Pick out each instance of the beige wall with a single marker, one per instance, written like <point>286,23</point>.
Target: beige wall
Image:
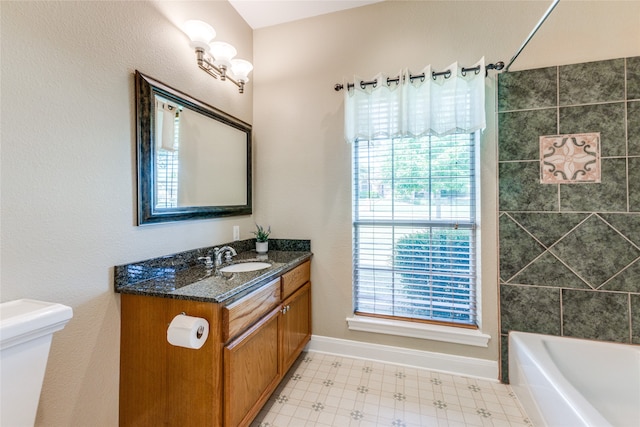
<point>68,162</point>
<point>68,171</point>
<point>303,168</point>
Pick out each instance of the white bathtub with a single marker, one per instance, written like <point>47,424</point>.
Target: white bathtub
<point>573,382</point>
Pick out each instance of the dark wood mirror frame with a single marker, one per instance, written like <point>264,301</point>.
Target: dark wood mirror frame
<point>148,213</point>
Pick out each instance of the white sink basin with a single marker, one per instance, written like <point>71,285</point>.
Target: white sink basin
<point>245,266</point>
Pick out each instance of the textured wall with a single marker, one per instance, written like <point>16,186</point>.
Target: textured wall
<point>299,118</point>
<point>570,253</point>
<point>68,171</point>
<point>68,157</point>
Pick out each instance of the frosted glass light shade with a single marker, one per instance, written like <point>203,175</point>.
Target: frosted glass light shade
<point>199,32</point>
<point>222,53</point>
<point>240,69</point>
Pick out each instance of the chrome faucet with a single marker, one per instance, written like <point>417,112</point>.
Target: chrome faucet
<point>228,253</point>
<point>208,262</point>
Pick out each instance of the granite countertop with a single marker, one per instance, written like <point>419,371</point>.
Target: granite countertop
<point>183,276</point>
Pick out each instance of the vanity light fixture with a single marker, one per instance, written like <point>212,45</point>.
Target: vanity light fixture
<point>217,58</point>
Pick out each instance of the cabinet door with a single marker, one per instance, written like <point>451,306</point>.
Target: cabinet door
<point>251,370</point>
<point>295,330</point>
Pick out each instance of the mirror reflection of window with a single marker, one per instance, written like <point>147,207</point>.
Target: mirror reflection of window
<point>193,160</point>
<point>167,159</point>
<point>190,170</point>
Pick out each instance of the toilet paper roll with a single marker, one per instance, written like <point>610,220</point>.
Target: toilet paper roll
<point>187,331</point>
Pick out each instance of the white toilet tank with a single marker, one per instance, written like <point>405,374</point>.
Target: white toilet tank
<point>26,329</point>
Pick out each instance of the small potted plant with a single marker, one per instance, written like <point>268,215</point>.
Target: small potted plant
<point>262,239</point>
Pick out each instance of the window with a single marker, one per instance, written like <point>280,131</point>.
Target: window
<point>414,140</point>
<point>167,179</point>
<point>414,228</point>
<point>167,159</point>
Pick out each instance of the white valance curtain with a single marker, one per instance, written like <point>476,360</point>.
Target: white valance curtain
<point>417,106</point>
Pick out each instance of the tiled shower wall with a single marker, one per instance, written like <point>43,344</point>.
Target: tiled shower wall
<point>570,253</point>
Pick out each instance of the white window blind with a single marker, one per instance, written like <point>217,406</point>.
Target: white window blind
<point>166,179</point>
<point>414,227</point>
<point>167,133</point>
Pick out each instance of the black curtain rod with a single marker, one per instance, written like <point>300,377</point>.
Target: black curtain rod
<point>447,73</point>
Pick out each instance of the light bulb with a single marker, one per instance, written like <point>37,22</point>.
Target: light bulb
<point>222,54</point>
<point>240,69</point>
<point>200,33</point>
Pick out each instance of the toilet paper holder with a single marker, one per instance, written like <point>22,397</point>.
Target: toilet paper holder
<point>200,330</point>
<point>187,331</point>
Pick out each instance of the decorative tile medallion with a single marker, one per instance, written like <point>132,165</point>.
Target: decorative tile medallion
<point>357,415</point>
<point>399,396</point>
<point>439,404</point>
<point>483,412</point>
<point>568,159</point>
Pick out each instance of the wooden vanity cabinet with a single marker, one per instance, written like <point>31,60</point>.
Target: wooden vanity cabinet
<point>252,344</point>
<point>256,362</point>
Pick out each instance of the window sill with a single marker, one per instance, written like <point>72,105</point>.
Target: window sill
<point>425,331</point>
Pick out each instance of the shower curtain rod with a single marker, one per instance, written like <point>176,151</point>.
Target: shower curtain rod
<point>533,32</point>
<point>447,73</point>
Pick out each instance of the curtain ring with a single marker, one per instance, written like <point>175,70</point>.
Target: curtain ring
<point>422,77</point>
<point>362,85</point>
<point>476,70</point>
<point>395,80</point>
<point>446,74</point>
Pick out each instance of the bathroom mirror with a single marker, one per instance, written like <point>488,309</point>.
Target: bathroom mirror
<point>194,161</point>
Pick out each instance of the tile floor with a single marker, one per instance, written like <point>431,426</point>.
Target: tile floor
<point>329,390</point>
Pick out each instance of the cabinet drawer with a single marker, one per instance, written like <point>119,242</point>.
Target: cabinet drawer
<point>239,315</point>
<point>295,278</point>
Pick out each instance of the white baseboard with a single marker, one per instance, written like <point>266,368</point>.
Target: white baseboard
<point>447,363</point>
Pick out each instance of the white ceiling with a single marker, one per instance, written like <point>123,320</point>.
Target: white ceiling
<point>264,13</point>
